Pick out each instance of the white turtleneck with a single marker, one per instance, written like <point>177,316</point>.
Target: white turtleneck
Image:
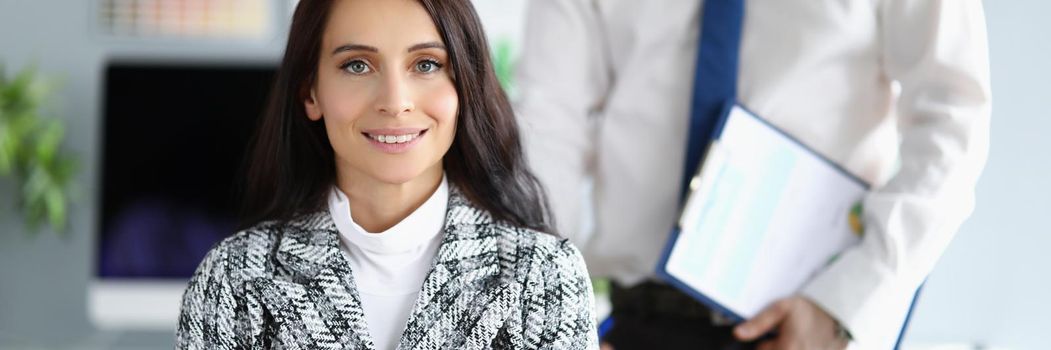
<point>389,267</point>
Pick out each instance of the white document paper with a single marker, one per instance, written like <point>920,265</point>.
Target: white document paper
<point>763,216</point>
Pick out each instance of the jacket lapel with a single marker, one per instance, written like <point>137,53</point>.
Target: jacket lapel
<point>464,298</point>
<point>313,297</point>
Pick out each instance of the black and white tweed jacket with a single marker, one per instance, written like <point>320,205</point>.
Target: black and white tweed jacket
<point>493,285</point>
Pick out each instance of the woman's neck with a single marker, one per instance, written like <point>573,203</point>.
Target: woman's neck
<point>377,206</point>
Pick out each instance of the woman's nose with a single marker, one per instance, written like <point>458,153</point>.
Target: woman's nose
<point>396,97</point>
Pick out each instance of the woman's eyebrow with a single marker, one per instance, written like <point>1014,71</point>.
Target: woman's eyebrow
<point>354,47</point>
<point>427,45</point>
<point>358,47</point>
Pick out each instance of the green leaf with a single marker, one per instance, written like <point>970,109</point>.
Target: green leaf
<point>8,148</point>
<point>30,90</point>
<point>48,140</point>
<point>502,63</point>
<point>31,151</point>
<point>56,208</point>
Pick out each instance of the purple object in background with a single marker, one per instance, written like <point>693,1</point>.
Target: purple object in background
<point>154,239</point>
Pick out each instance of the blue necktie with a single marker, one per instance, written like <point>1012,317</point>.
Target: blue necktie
<point>715,78</point>
<point>714,86</point>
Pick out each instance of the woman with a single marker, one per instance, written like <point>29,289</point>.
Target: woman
<point>389,202</point>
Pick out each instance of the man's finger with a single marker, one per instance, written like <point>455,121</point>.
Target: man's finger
<point>763,322</point>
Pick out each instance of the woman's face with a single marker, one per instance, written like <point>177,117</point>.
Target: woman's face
<point>384,90</point>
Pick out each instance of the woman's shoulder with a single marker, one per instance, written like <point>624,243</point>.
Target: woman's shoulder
<point>243,255</point>
<point>254,240</point>
<point>549,243</point>
<point>545,252</point>
<point>259,239</point>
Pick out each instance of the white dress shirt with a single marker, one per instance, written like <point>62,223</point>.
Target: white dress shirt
<point>896,91</point>
<point>389,267</point>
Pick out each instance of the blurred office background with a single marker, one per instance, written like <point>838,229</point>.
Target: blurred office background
<point>990,289</point>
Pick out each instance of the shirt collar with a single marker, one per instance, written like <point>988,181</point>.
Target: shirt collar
<point>413,232</point>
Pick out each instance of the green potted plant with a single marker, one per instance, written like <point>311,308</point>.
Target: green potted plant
<point>30,153</point>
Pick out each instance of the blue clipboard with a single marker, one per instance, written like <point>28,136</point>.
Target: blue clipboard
<point>669,278</point>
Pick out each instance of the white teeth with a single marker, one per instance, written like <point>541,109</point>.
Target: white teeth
<point>395,138</point>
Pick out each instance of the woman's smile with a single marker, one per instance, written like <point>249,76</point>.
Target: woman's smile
<point>397,140</point>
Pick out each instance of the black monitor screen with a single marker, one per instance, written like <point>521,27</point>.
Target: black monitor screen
<point>174,139</point>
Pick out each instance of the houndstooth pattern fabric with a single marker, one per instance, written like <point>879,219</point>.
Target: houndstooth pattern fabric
<point>492,286</point>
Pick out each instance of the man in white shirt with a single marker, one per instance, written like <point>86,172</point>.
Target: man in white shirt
<point>895,91</point>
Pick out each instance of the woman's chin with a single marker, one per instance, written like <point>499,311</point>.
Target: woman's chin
<point>400,177</point>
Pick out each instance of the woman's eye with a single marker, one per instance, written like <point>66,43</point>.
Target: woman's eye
<point>427,66</point>
<point>356,67</point>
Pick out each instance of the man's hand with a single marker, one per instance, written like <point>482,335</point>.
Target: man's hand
<point>800,324</point>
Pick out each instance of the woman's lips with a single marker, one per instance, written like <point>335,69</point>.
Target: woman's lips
<point>394,140</point>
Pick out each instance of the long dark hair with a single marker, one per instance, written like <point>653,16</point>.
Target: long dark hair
<point>291,164</point>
